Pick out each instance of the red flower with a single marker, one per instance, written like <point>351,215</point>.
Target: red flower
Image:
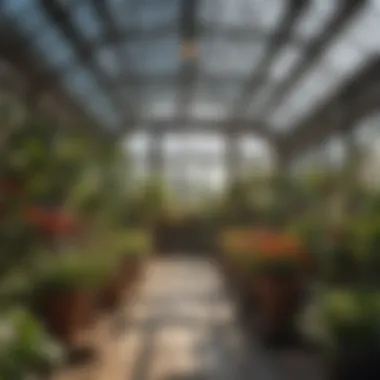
<point>50,222</point>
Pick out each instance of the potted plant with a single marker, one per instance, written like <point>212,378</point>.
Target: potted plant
<point>25,347</point>
<point>133,248</point>
<point>65,293</point>
<point>345,324</point>
<point>234,245</point>
<point>14,288</point>
<point>238,251</point>
<point>277,284</point>
<point>127,255</point>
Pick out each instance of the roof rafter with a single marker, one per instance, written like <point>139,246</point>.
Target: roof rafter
<point>350,103</point>
<point>276,42</point>
<point>189,30</point>
<point>314,51</point>
<point>60,16</point>
<point>112,33</point>
<point>13,48</point>
<point>196,125</point>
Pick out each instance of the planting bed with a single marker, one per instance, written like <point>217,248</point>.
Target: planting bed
<point>265,272</point>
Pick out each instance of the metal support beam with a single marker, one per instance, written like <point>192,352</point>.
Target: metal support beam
<point>206,29</point>
<point>354,100</point>
<point>155,156</point>
<point>112,33</point>
<point>189,66</point>
<point>59,15</point>
<point>202,125</point>
<point>233,155</point>
<point>277,41</point>
<point>313,52</point>
<point>40,81</point>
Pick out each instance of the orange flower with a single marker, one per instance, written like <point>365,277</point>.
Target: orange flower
<point>266,244</point>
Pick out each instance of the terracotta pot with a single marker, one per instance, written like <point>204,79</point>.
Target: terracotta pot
<point>277,299</point>
<point>67,312</point>
<point>111,295</point>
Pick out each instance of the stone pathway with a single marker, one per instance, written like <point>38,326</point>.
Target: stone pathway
<point>182,327</point>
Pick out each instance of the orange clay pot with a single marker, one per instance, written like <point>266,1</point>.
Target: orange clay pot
<point>67,312</point>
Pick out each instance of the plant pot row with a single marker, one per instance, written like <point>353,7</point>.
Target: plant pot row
<point>267,303</point>
<point>67,311</point>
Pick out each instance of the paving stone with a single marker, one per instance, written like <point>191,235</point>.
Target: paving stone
<point>181,325</point>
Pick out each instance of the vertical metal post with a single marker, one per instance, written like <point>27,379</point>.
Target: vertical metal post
<point>155,159</point>
<point>233,155</point>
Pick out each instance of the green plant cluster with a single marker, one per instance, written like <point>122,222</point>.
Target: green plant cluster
<point>25,348</point>
<point>344,320</point>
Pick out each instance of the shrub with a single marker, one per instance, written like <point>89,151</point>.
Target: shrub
<point>72,270</point>
<point>25,347</point>
<point>343,319</point>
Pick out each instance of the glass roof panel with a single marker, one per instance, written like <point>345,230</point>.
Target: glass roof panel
<point>81,84</point>
<point>79,80</point>
<point>160,109</point>
<point>258,102</point>
<point>301,100</point>
<point>365,29</point>
<point>86,20</point>
<point>319,12</point>
<point>142,14</point>
<point>263,13</point>
<point>103,111</point>
<point>12,8</point>
<point>340,62</point>
<point>108,60</point>
<point>282,66</point>
<point>225,93</point>
<point>158,102</point>
<point>286,59</point>
<point>207,110</point>
<point>150,57</point>
<point>28,16</point>
<point>343,57</point>
<point>219,57</point>
<point>53,47</point>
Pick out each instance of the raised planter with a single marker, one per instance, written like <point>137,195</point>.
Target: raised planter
<point>278,299</point>
<point>121,283</point>
<point>111,295</point>
<point>67,312</point>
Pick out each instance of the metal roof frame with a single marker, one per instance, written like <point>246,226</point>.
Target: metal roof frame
<point>310,131</point>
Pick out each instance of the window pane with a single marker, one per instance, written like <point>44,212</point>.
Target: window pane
<point>53,47</point>
<point>153,57</point>
<point>143,14</point>
<point>220,57</point>
<point>13,8</point>
<point>108,60</point>
<point>318,14</point>
<point>243,13</point>
<point>86,20</point>
<point>31,19</point>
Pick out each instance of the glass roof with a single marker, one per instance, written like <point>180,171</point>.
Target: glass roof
<point>136,64</point>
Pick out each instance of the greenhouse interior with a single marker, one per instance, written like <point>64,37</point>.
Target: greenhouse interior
<point>188,190</point>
